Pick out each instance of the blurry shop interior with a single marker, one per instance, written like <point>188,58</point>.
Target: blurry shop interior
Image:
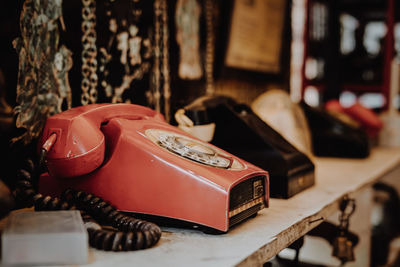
<point>289,86</point>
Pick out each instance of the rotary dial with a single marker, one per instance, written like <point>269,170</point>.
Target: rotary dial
<point>193,150</point>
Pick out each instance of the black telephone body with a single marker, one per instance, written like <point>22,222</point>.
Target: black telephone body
<point>241,132</point>
<point>332,137</point>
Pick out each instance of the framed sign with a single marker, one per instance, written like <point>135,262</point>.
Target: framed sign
<point>255,36</point>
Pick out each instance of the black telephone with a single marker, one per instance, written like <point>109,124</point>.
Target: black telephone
<point>332,137</point>
<point>241,132</point>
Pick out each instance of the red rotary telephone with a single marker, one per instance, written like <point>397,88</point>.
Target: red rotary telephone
<point>128,155</point>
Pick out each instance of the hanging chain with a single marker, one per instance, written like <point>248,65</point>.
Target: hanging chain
<point>157,53</point>
<point>347,208</point>
<point>210,39</point>
<point>343,245</point>
<point>165,60</point>
<point>89,53</point>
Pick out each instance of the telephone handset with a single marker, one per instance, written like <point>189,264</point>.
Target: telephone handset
<point>128,155</point>
<point>80,145</point>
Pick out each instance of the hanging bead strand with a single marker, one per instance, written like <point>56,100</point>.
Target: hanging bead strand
<point>156,66</point>
<point>165,60</point>
<point>89,53</point>
<point>210,38</point>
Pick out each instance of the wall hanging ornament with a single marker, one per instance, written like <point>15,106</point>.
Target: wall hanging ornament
<point>187,20</point>
<point>134,49</point>
<point>42,85</point>
<point>161,71</point>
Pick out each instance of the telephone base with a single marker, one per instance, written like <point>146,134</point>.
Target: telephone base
<point>176,223</point>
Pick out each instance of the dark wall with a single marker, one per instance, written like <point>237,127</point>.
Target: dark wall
<point>241,84</point>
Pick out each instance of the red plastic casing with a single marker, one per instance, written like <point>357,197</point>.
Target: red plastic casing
<point>123,166</point>
<point>368,119</point>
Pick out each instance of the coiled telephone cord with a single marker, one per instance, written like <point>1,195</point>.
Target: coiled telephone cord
<point>132,234</point>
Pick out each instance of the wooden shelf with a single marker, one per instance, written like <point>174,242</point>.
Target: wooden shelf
<point>355,88</point>
<point>257,240</point>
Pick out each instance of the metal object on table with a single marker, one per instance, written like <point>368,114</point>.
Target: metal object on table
<point>343,247</point>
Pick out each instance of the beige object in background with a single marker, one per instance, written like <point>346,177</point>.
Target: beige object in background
<point>390,134</point>
<point>276,109</point>
<point>204,132</point>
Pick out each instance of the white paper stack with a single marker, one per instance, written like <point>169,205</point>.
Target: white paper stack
<point>48,237</point>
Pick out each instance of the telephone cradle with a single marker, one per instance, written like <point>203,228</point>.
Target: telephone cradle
<point>129,156</point>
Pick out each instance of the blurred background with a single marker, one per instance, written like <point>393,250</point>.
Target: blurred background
<point>331,61</point>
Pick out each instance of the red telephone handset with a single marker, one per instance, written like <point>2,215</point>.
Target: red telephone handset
<point>80,145</point>
<point>128,155</point>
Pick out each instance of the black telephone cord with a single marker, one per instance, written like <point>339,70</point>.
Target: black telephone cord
<point>133,233</point>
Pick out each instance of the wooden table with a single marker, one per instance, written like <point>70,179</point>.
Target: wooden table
<point>256,241</point>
